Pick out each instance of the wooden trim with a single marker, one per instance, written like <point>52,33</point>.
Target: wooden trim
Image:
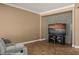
<point>31,41</point>
<point>73,27</point>
<point>40,27</point>
<point>76,46</point>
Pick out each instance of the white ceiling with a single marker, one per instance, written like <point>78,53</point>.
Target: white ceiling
<point>40,7</point>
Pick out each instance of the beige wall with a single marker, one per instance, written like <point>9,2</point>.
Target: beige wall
<point>18,25</point>
<point>76,24</point>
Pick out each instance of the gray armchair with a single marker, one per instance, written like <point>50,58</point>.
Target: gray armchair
<point>16,49</point>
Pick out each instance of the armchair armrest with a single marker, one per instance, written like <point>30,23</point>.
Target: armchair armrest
<point>16,49</point>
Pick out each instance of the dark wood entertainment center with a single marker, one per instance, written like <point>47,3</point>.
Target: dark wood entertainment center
<point>57,33</point>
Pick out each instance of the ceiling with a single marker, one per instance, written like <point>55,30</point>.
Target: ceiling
<point>40,7</point>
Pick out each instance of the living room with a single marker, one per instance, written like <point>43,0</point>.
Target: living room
<point>26,26</point>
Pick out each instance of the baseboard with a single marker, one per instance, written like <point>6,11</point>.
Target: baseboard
<point>76,46</point>
<point>32,41</point>
<point>42,40</point>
